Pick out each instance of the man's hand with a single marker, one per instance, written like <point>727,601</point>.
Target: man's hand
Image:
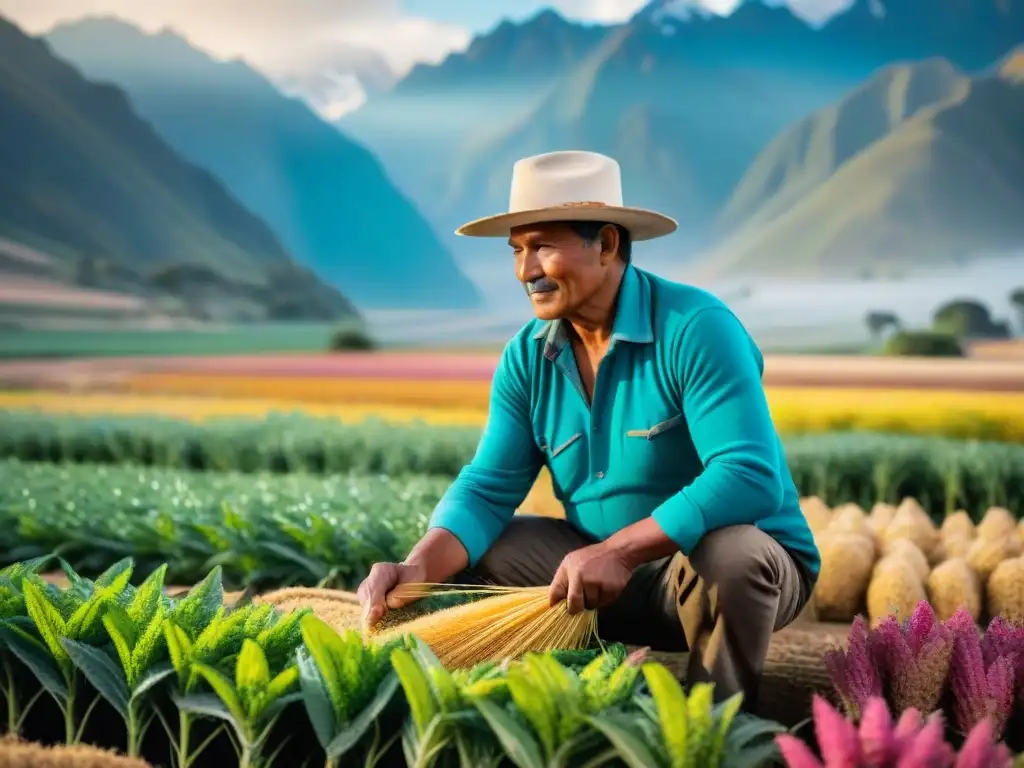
<point>590,578</point>
<point>374,593</point>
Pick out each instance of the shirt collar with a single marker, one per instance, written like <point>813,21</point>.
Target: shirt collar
<point>632,317</point>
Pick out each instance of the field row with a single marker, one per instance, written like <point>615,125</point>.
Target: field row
<point>428,365</point>
<point>974,415</point>
<point>945,474</point>
<point>266,676</point>
<point>235,685</point>
<point>261,529</point>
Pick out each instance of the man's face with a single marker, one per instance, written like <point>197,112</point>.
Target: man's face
<point>559,271</point>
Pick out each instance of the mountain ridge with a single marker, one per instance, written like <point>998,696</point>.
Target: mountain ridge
<point>899,197</point>
<point>327,197</point>
<point>708,93</point>
<point>89,182</point>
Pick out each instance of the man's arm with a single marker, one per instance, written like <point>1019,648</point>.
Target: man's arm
<point>483,498</point>
<point>729,421</point>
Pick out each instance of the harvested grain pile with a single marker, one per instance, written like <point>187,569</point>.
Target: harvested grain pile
<point>953,584</point>
<point>817,514</point>
<point>1005,590</point>
<point>896,588</point>
<point>985,554</point>
<point>850,518</point>
<point>911,522</point>
<point>20,754</point>
<point>997,523</point>
<point>907,550</point>
<point>846,562</point>
<point>880,517</point>
<point>338,609</point>
<point>956,545</point>
<point>958,524</point>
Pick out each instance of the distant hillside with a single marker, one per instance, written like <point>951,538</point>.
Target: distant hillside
<point>921,166</point>
<point>686,101</point>
<point>423,124</point>
<point>326,196</point>
<point>88,183</point>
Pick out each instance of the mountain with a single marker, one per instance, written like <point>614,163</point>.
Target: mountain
<point>423,123</point>
<point>89,183</point>
<point>326,196</point>
<point>685,100</point>
<point>921,166</point>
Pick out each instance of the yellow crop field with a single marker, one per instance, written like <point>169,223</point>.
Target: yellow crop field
<point>318,389</point>
<point>198,408</point>
<point>979,415</point>
<point>974,415</point>
<point>966,414</point>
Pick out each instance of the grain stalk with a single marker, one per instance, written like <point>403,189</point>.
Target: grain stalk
<point>346,686</point>
<point>673,729</point>
<point>250,703</point>
<point>135,631</point>
<point>61,617</point>
<point>507,623</point>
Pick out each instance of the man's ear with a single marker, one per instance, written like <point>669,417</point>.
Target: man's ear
<point>609,243</point>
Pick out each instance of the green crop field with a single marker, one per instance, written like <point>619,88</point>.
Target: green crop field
<point>943,474</point>
<point>238,339</point>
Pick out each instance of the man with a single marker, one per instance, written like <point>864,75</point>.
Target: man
<point>643,398</point>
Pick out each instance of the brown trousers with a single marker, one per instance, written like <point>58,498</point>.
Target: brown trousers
<point>721,604</point>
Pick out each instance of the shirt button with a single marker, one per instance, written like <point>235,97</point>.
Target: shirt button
<point>599,475</point>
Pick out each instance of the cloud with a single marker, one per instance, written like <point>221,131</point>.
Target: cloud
<point>276,36</point>
<point>600,11</point>
<point>613,11</point>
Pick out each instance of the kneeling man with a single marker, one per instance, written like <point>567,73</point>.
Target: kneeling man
<point>643,398</point>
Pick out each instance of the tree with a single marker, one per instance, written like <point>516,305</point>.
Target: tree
<point>878,320</point>
<point>923,344</point>
<point>1017,300</point>
<point>967,319</point>
<point>351,339</point>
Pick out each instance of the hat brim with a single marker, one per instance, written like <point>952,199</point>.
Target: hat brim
<point>641,223</point>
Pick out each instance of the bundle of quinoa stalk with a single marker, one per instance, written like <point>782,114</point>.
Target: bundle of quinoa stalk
<point>886,561</point>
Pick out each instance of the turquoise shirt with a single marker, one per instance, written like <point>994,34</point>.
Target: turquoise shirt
<point>679,429</point>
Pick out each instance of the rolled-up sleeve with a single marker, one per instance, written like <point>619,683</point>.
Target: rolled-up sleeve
<point>486,493</point>
<point>731,427</point>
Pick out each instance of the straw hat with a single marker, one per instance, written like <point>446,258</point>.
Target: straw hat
<point>570,185</point>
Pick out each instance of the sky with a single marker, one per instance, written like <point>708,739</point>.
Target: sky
<point>306,46</point>
<point>272,34</point>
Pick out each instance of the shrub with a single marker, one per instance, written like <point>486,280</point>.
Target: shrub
<point>923,344</point>
<point>351,339</point>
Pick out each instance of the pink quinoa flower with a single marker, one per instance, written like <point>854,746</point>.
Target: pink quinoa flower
<point>914,742</point>
<point>878,743</point>
<point>913,658</point>
<point>795,753</point>
<point>978,692</point>
<point>853,672</point>
<point>928,747</point>
<point>1002,638</point>
<point>979,751</point>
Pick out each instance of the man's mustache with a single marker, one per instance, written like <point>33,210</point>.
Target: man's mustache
<point>540,285</point>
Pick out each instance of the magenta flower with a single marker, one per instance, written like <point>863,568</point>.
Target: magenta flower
<point>979,691</point>
<point>979,751</point>
<point>914,742</point>
<point>1002,638</point>
<point>853,673</point>
<point>913,658</point>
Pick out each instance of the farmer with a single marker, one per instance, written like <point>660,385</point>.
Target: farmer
<point>643,398</point>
